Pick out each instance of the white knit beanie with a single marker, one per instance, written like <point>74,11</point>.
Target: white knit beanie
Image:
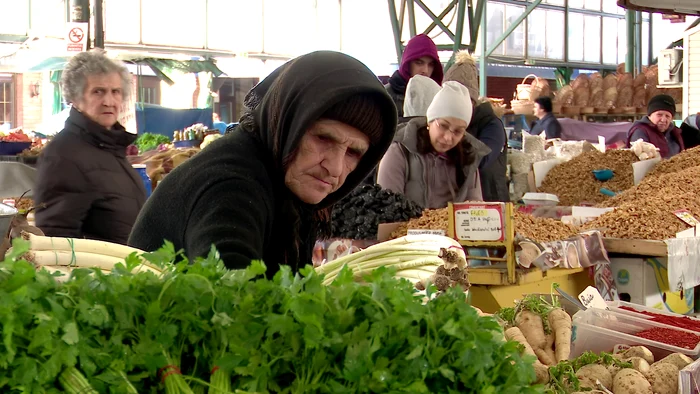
<point>453,101</point>
<point>420,92</point>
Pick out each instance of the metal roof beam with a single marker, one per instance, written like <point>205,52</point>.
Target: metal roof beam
<point>512,27</point>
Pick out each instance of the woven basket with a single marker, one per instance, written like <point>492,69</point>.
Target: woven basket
<point>526,91</point>
<point>522,107</point>
<point>556,107</point>
<point>571,111</point>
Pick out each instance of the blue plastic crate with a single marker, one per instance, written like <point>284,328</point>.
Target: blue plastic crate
<point>13,148</point>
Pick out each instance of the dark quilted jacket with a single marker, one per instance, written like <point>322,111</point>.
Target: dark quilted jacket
<point>88,187</point>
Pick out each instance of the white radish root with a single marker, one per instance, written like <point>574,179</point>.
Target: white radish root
<point>678,359</point>
<point>560,323</point>
<point>638,351</point>
<point>541,370</point>
<point>639,364</point>
<point>631,381</point>
<point>530,324</point>
<point>79,259</point>
<point>663,378</point>
<point>39,242</point>
<point>589,374</point>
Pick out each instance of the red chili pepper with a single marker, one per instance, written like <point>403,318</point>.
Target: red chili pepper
<point>670,336</point>
<point>676,321</point>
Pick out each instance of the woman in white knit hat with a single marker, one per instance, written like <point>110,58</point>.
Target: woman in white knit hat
<point>433,159</point>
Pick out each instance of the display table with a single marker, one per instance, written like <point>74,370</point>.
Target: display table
<point>495,286</point>
<point>16,179</point>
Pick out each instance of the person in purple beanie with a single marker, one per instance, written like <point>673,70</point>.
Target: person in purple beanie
<point>419,58</point>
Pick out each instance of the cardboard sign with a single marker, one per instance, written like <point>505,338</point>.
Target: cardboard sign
<point>479,221</point>
<point>687,217</point>
<point>76,36</point>
<point>591,298</point>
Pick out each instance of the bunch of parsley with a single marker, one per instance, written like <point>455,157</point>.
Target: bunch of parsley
<point>129,333</point>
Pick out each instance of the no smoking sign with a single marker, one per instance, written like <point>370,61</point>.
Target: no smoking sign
<point>75,37</point>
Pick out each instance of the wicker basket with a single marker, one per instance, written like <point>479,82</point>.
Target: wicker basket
<point>571,111</point>
<point>522,107</point>
<point>527,91</point>
<point>556,107</point>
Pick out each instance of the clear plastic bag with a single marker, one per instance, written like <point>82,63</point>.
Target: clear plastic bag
<point>689,379</point>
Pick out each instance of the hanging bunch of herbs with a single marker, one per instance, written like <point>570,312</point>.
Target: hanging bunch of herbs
<point>202,328</point>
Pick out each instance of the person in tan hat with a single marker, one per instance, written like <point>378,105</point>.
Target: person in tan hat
<point>264,192</point>
<point>486,127</point>
<point>433,160</point>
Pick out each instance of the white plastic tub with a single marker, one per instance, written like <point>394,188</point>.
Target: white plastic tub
<point>540,199</point>
<point>599,330</point>
<point>615,307</point>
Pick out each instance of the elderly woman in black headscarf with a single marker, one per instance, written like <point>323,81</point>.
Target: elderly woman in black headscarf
<point>317,126</point>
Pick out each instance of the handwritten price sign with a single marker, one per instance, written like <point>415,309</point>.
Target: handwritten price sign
<point>479,222</point>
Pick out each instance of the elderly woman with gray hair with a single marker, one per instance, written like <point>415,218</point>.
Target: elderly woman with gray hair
<point>86,188</point>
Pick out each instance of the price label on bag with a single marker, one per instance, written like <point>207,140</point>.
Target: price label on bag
<point>479,221</point>
<point>419,231</point>
<point>686,216</point>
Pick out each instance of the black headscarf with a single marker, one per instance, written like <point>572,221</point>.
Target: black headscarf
<point>285,104</point>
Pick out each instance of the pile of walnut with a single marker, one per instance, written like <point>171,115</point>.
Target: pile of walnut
<point>453,273</point>
<point>574,183</point>
<point>647,210</point>
<point>542,229</point>
<point>432,219</point>
<point>686,159</point>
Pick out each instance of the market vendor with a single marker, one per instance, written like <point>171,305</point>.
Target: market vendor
<point>486,127</point>
<point>433,160</point>
<point>85,186</point>
<point>658,128</point>
<point>546,121</point>
<point>316,127</point>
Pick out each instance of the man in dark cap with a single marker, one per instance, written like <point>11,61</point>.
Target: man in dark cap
<point>657,128</point>
<point>316,127</point>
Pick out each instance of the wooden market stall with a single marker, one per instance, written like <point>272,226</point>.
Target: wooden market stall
<point>498,285</point>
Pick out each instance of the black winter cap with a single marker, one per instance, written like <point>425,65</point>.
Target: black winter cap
<point>662,102</point>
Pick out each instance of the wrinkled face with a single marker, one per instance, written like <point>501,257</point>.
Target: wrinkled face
<point>102,99</point>
<point>328,152</point>
<point>662,120</point>
<point>539,112</point>
<point>446,133</point>
<point>423,66</point>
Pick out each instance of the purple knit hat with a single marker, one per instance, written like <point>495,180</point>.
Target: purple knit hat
<point>419,46</point>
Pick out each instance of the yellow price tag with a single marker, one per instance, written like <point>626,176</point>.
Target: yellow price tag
<point>479,212</point>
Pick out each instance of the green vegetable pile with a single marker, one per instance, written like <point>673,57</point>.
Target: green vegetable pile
<point>202,328</point>
<point>150,141</point>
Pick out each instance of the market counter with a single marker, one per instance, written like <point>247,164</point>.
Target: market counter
<point>492,297</point>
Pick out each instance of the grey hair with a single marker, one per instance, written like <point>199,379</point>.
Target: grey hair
<point>85,64</point>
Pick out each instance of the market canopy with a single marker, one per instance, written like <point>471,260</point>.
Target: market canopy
<point>163,68</point>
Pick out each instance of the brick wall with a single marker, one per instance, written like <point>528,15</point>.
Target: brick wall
<point>28,106</point>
